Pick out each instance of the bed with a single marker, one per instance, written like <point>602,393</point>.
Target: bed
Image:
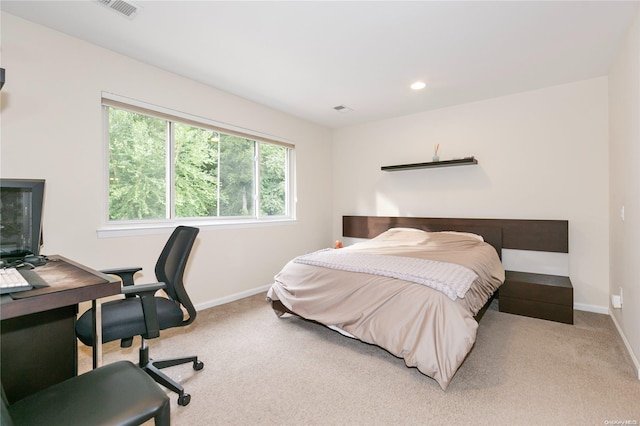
<point>416,288</point>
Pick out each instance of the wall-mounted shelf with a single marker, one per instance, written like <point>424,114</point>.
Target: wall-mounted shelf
<point>446,163</point>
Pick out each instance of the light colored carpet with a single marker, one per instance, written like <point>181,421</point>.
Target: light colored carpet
<point>262,370</point>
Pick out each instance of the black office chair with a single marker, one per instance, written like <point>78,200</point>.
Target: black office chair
<point>146,314</point>
<point>116,394</point>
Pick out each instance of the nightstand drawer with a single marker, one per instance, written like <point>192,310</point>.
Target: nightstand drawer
<point>541,310</point>
<point>537,295</point>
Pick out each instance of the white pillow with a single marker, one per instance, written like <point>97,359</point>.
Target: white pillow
<point>466,234</point>
<point>404,229</point>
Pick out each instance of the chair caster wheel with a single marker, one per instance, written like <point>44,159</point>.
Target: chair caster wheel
<point>198,365</point>
<point>184,399</point>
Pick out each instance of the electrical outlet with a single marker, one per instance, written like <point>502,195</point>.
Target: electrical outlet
<point>622,213</point>
<point>615,301</point>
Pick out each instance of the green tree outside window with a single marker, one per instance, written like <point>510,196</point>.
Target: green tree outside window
<point>211,174</point>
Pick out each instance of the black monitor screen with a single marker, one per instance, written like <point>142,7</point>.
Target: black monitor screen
<point>21,204</point>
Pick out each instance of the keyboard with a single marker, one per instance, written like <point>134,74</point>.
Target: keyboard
<point>11,281</point>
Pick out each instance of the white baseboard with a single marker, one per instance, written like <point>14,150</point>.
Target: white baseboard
<point>591,308</point>
<point>232,298</point>
<point>634,358</point>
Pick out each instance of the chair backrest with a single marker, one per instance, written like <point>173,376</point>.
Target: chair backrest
<point>172,263</point>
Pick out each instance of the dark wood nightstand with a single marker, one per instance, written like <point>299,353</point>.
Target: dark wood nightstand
<point>542,296</point>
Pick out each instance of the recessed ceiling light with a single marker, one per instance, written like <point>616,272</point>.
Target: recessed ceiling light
<point>418,85</point>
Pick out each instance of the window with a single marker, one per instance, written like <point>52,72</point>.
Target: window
<point>171,167</point>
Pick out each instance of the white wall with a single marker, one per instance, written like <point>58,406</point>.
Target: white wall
<point>52,129</point>
<point>542,155</point>
<point>624,134</point>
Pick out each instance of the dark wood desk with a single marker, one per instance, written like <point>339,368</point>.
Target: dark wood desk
<point>39,346</point>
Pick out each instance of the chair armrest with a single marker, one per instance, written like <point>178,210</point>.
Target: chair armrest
<point>142,289</point>
<point>125,274</point>
<point>146,293</point>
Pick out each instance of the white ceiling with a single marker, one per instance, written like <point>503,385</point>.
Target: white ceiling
<point>306,57</point>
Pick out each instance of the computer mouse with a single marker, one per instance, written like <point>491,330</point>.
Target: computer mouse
<point>35,260</point>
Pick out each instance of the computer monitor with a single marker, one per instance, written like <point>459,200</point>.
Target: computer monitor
<point>21,203</point>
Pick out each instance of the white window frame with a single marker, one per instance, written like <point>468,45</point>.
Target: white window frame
<point>110,228</point>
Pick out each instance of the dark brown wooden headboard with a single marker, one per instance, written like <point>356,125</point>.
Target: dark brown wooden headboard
<point>536,235</point>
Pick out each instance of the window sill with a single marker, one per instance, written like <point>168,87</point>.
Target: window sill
<point>128,230</point>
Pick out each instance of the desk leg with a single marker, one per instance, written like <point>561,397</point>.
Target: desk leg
<point>96,317</point>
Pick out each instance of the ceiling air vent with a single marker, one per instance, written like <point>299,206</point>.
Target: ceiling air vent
<point>342,108</point>
<point>125,8</point>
